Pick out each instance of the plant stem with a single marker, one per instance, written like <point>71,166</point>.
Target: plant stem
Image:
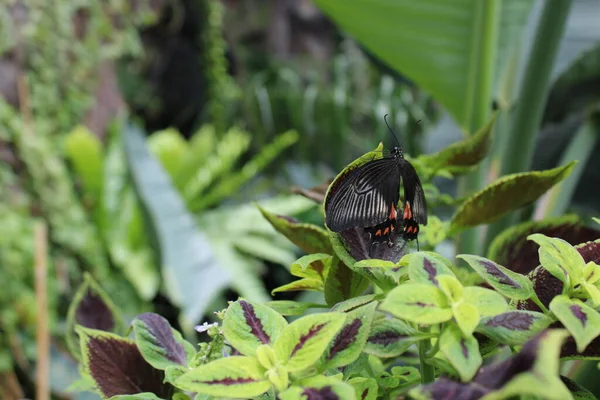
<point>532,97</point>
<point>427,370</point>
<point>479,97</point>
<point>580,148</point>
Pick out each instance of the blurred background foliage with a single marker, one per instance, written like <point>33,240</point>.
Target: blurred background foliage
<point>143,133</point>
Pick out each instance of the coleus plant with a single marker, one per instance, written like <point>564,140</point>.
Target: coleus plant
<point>414,325</point>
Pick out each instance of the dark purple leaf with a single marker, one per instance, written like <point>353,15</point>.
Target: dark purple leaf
<point>155,335</point>
<point>117,367</point>
<point>254,322</point>
<point>304,338</point>
<point>345,338</point>
<point>92,312</point>
<point>545,285</point>
<point>445,389</point>
<point>324,393</point>
<point>569,348</point>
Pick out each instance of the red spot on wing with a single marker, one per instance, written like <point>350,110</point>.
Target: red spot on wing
<point>407,211</point>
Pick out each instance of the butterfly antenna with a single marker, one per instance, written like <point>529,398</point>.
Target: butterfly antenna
<point>388,125</point>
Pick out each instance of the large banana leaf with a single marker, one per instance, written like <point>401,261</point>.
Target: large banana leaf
<point>436,43</point>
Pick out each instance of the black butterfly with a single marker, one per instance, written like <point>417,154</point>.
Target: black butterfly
<point>367,197</point>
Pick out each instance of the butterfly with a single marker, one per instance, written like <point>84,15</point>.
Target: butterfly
<point>367,197</point>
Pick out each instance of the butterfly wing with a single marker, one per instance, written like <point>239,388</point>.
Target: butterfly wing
<point>363,197</point>
<point>414,196</point>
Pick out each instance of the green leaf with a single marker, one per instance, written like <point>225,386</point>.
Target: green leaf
<point>315,266</point>
<point>355,302</point>
<point>310,238</point>
<point>578,391</point>
<point>192,275</point>
<point>424,267</point>
<point>234,376</point>
<point>301,343</point>
<point>507,194</point>
<point>462,353</point>
<point>342,283</point>
<point>300,284</point>
<point>350,340</point>
<point>510,284</point>
<point>514,327</point>
<point>289,307</point>
<point>375,263</point>
<point>466,317</point>
<point>364,388</point>
<point>170,148</point>
<point>160,345</point>
<point>582,321</point>
<point>451,287</point>
<point>417,302</point>
<point>459,156</point>
<point>246,326</point>
<point>560,258</point>
<point>406,375</point>
<point>92,308</point>
<point>84,150</point>
<point>390,337</point>
<point>487,301</point>
<point>319,387</point>
<point>432,28</point>
<point>137,396</point>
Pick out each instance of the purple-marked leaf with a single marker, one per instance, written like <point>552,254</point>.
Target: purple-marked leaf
<point>534,371</point>
<point>319,388</point>
<point>445,389</point>
<point>314,266</point>
<point>117,366</point>
<point>173,372</point>
<point>299,285</point>
<point>159,344</point>
<point>364,388</point>
<point>342,283</point>
<point>418,302</point>
<point>350,340</point>
<point>235,376</point>
<point>451,287</point>
<point>390,337</point>
<point>578,391</point>
<point>139,396</point>
<point>569,349</point>
<point>561,259</point>
<point>406,375</point>
<point>510,284</point>
<point>91,308</point>
<point>581,320</point>
<point>248,325</point>
<point>461,352</point>
<point>310,238</point>
<point>289,307</point>
<point>512,249</point>
<point>545,286</point>
<point>487,301</point>
<point>459,156</point>
<point>506,194</point>
<point>354,303</point>
<point>424,267</point>
<point>301,343</point>
<point>514,327</point>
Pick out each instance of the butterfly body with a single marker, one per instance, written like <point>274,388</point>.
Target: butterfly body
<point>368,196</point>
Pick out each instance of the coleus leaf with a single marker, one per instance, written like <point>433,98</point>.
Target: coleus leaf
<point>160,345</point>
<point>234,376</point>
<point>417,302</point>
<point>350,340</point>
<point>343,283</point>
<point>512,249</point>
<point>91,308</point>
<point>139,396</point>
<point>364,388</point>
<point>117,366</point>
<point>466,316</point>
<point>510,284</point>
<point>301,343</point>
<point>582,321</point>
<point>247,325</point>
<point>308,237</point>
<point>514,327</point>
<point>353,303</point>
<point>560,258</point>
<point>462,352</point>
<point>289,307</point>
<point>578,391</point>
<point>506,194</point>
<point>488,302</point>
<point>457,157</point>
<point>313,266</point>
<point>424,267</point>
<point>390,337</point>
<point>319,388</point>
<point>299,285</point>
